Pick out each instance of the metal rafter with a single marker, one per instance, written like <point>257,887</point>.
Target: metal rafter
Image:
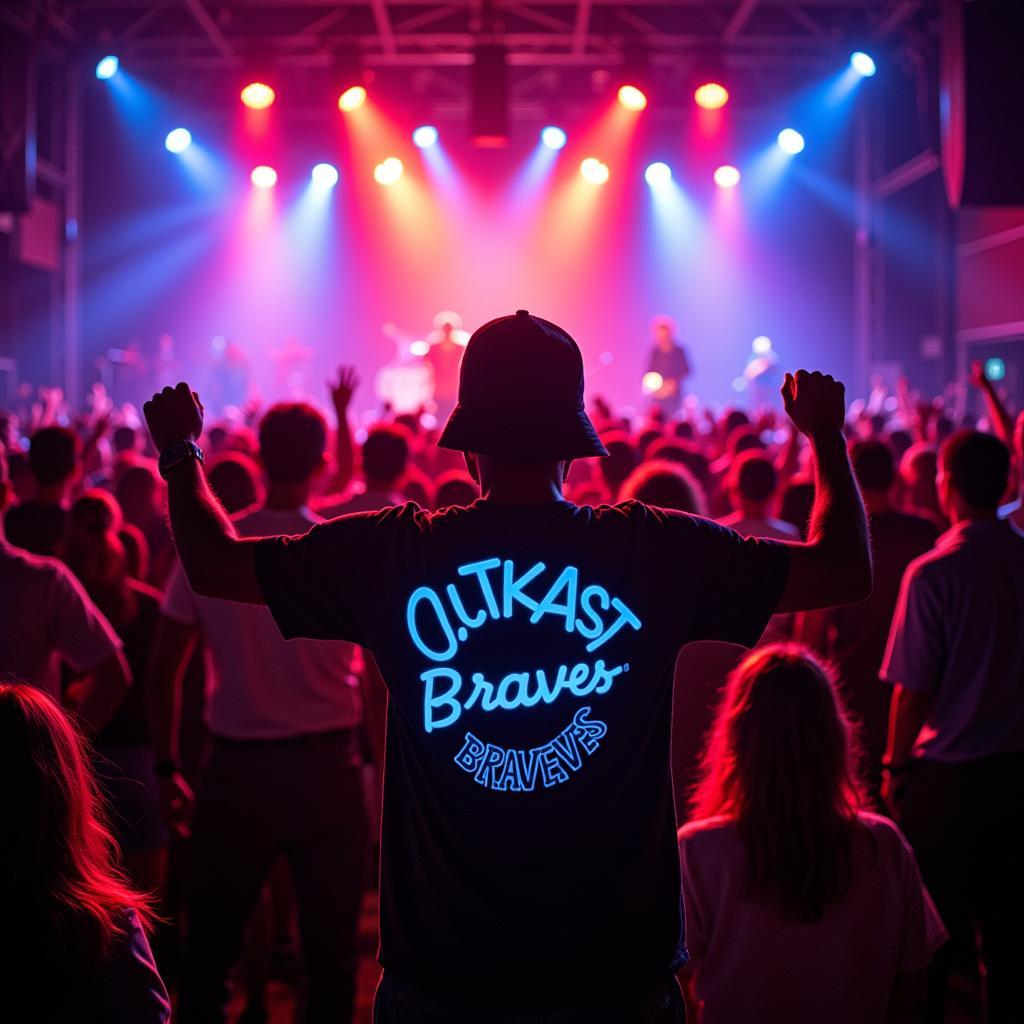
<point>581,27</point>
<point>209,26</point>
<point>383,23</point>
<point>739,19</point>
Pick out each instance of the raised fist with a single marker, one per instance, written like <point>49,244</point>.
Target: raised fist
<point>175,414</point>
<point>815,402</point>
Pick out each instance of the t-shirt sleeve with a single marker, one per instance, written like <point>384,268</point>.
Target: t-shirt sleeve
<point>923,931</point>
<point>82,634</point>
<point>731,585</point>
<point>321,585</point>
<point>916,649</point>
<point>179,601</point>
<point>130,984</point>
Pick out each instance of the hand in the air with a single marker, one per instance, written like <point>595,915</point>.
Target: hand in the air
<point>978,376</point>
<point>345,387</point>
<point>175,414</point>
<point>815,402</point>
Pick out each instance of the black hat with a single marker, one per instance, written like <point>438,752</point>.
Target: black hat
<point>521,394</point>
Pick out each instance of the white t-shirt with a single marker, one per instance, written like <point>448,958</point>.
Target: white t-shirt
<point>260,686</point>
<point>753,965</point>
<point>46,618</point>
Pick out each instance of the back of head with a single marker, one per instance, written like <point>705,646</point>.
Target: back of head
<point>977,467</point>
<point>507,361</point>
<point>647,439</point>
<point>53,455</point>
<point>136,489</point>
<point>125,439</point>
<point>796,503</point>
<point>235,479</point>
<point>743,439</point>
<point>385,453</point>
<point>780,762</point>
<point>873,465</point>
<point>63,898</point>
<point>665,484</point>
<point>94,552</point>
<point>620,462</point>
<point>919,463</point>
<point>732,419</point>
<point>293,439</point>
<point>752,476</point>
<point>455,488</point>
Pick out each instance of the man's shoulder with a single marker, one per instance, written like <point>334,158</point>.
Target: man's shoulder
<point>32,566</point>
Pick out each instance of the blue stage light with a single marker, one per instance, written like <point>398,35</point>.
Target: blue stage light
<point>178,140</point>
<point>862,63</point>
<point>553,137</point>
<point>325,175</point>
<point>790,141</point>
<point>425,136</point>
<point>107,67</point>
<point>658,174</point>
<point>995,368</point>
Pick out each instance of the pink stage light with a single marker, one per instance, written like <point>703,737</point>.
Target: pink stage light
<point>727,176</point>
<point>263,176</point>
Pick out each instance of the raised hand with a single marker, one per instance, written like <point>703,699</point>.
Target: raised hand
<point>344,388</point>
<point>978,376</point>
<point>815,402</point>
<point>175,414</point>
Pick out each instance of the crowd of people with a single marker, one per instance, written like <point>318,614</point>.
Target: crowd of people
<point>181,782</point>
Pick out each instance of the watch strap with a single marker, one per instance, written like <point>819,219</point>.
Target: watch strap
<point>177,452</point>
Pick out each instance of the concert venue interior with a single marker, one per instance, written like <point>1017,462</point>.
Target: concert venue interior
<point>247,195</point>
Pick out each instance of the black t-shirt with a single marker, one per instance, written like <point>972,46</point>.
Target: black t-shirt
<point>528,850</point>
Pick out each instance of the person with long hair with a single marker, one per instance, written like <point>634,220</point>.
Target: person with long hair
<point>800,904</point>
<point>125,755</point>
<point>73,947</point>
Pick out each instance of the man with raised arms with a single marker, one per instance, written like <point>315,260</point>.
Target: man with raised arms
<point>528,848</point>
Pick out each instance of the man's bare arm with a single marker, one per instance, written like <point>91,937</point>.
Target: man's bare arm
<point>908,711</point>
<point>834,565</point>
<point>102,696</point>
<point>216,562</point>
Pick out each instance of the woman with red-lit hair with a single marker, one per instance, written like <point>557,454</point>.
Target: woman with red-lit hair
<point>73,947</point>
<point>800,905</point>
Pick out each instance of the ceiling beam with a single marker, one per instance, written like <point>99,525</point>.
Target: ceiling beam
<point>209,26</point>
<point>383,23</point>
<point>581,26</point>
<point>739,19</point>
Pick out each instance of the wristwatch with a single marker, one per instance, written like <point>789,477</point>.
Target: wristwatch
<point>177,452</point>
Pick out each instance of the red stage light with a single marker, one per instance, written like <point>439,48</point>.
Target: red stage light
<point>258,96</point>
<point>711,96</point>
<point>632,97</point>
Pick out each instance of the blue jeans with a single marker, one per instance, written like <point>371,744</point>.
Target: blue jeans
<point>398,1003</point>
